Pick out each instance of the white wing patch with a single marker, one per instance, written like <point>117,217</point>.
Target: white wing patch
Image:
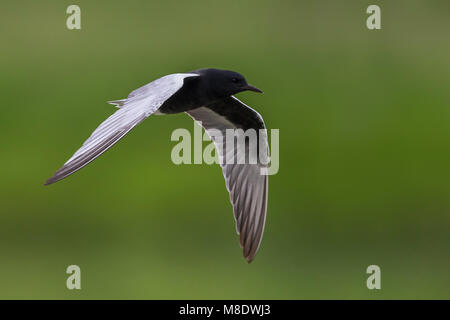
<point>139,105</point>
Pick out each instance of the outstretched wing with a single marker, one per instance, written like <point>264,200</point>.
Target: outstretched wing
<point>247,182</point>
<point>140,104</point>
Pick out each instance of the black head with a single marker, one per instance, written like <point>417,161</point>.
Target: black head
<point>224,83</point>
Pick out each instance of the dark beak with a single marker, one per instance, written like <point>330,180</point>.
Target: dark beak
<point>252,88</point>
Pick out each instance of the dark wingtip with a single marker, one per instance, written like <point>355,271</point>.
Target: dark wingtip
<point>249,256</point>
<point>249,253</point>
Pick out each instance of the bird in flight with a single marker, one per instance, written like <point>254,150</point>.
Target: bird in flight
<point>207,96</point>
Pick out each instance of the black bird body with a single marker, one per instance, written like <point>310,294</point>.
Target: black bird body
<point>187,98</point>
<point>206,95</point>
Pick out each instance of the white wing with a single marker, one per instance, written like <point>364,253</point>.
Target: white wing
<point>247,186</point>
<point>140,104</point>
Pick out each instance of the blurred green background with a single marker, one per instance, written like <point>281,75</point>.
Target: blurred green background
<point>364,151</point>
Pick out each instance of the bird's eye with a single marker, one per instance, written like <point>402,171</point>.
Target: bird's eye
<point>235,80</point>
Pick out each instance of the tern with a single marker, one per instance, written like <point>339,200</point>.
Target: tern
<point>207,95</point>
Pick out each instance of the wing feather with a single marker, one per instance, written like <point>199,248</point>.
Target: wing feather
<point>247,186</point>
<point>140,104</point>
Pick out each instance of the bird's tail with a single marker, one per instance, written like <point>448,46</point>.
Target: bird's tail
<point>118,103</point>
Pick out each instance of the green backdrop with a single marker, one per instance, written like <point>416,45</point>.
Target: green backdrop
<point>364,151</point>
